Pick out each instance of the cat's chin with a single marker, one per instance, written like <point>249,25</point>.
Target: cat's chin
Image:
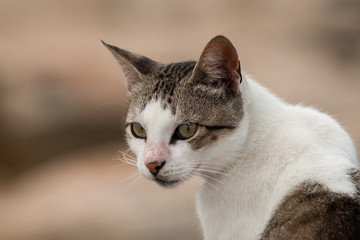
<point>167,184</point>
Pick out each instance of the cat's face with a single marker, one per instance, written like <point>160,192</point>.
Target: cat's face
<point>182,116</point>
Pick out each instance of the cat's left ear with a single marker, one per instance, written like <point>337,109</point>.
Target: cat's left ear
<point>219,65</point>
<point>134,66</point>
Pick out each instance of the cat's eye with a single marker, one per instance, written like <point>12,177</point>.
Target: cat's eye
<point>137,130</point>
<point>186,131</point>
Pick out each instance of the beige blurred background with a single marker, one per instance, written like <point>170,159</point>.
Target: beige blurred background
<point>62,101</point>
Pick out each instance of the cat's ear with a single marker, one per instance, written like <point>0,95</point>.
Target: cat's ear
<point>219,65</point>
<point>135,66</point>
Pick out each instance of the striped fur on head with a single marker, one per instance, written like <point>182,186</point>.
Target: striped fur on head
<point>204,92</point>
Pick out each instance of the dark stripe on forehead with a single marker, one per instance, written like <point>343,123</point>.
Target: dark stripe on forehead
<point>175,71</point>
<point>162,84</point>
<point>168,79</point>
<point>186,70</point>
<point>156,88</point>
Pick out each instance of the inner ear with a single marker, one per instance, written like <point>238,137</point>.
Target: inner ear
<point>220,64</point>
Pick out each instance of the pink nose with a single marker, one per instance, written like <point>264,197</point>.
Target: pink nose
<point>155,166</point>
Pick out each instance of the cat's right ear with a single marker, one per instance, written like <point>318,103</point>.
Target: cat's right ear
<point>219,65</point>
<point>134,66</point>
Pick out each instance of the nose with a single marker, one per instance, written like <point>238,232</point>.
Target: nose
<point>155,166</point>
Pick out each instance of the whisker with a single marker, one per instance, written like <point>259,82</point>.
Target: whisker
<point>217,180</point>
<point>220,173</point>
<point>132,183</point>
<point>126,158</point>
<point>213,163</point>
<point>128,162</point>
<point>193,173</point>
<point>129,177</point>
<point>212,169</point>
<point>213,186</point>
<point>207,188</point>
<point>200,182</point>
<point>206,165</point>
<point>205,169</point>
<point>125,153</point>
<point>182,179</point>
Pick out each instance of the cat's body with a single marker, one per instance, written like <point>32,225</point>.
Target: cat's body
<point>271,170</point>
<point>286,146</point>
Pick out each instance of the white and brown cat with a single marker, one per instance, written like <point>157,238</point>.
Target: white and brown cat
<point>271,170</point>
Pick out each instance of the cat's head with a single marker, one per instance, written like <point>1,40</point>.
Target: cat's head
<point>183,117</point>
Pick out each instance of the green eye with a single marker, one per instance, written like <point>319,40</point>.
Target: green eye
<point>186,131</point>
<point>137,130</point>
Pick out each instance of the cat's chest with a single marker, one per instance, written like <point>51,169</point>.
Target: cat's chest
<point>233,209</point>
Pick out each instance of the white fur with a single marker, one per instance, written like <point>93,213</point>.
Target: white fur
<point>160,125</point>
<point>276,147</point>
<point>285,146</point>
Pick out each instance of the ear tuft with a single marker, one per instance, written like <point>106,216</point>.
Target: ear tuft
<point>220,64</point>
<point>134,66</point>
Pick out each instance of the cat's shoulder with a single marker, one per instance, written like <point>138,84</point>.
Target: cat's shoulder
<point>323,129</point>
<point>312,211</point>
<point>313,115</point>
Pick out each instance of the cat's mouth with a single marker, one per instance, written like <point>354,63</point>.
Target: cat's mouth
<point>167,183</point>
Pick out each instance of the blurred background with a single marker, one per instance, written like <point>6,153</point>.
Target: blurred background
<point>62,101</point>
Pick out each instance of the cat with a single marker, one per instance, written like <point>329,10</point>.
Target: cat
<point>271,170</point>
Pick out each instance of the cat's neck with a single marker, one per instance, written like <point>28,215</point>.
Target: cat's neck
<point>260,104</point>
<point>262,113</point>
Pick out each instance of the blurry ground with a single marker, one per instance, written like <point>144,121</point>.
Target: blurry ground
<point>62,101</point>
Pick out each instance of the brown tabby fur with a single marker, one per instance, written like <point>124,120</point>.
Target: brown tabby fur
<point>312,212</point>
